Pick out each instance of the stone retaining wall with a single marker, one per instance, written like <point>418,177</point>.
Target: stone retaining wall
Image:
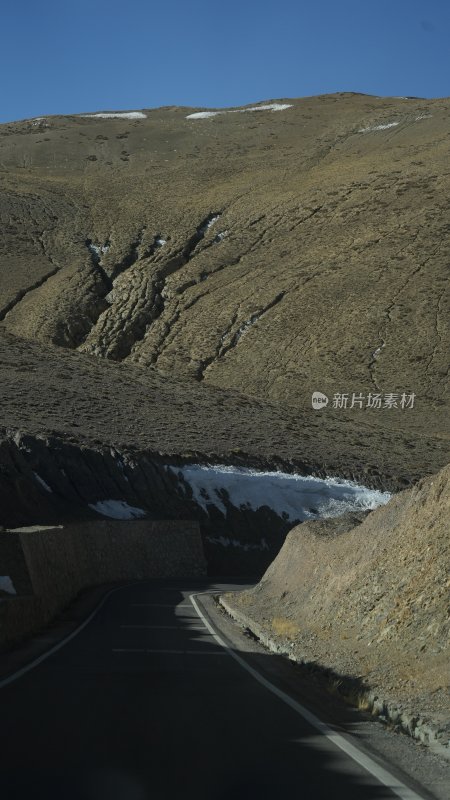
<point>49,567</point>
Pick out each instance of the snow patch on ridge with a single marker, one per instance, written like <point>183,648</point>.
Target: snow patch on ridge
<point>204,114</point>
<point>266,107</point>
<point>117,509</point>
<point>117,115</point>
<point>291,497</point>
<point>269,107</point>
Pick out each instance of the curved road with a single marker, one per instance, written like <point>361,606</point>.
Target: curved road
<point>145,702</point>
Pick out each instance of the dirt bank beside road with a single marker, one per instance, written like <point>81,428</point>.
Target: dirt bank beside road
<point>368,600</point>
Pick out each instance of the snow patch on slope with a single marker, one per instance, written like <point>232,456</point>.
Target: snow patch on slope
<point>245,327</point>
<point>98,250</point>
<point>379,127</point>
<point>42,482</point>
<point>378,350</point>
<point>225,541</point>
<point>221,236</point>
<point>6,584</point>
<point>292,497</point>
<point>267,107</point>
<point>117,509</point>
<point>204,114</point>
<point>117,115</point>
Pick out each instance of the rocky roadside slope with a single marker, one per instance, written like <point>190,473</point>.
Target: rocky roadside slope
<point>367,601</point>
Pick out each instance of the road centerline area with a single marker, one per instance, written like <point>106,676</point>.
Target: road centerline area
<point>171,652</point>
<point>168,627</point>
<point>160,605</point>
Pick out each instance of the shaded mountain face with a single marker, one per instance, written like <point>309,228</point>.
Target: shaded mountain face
<point>234,264</point>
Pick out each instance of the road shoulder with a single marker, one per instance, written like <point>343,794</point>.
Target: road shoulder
<point>410,761</point>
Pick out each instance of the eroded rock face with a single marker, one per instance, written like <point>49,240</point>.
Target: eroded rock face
<point>275,253</point>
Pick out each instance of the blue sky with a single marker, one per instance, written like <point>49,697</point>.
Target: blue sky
<point>69,56</point>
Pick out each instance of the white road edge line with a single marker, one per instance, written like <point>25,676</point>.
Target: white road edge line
<point>382,775</point>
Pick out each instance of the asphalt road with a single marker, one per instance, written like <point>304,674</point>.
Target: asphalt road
<point>145,703</point>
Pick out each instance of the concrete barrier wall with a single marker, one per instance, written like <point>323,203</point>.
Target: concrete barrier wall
<point>48,568</point>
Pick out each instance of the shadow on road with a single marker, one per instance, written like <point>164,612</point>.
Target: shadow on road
<point>144,704</point>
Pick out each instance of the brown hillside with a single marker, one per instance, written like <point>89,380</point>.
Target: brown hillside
<point>369,602</point>
<point>324,266</point>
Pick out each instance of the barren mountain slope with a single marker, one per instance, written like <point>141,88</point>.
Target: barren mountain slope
<point>270,252</point>
<point>369,602</point>
<point>94,403</point>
